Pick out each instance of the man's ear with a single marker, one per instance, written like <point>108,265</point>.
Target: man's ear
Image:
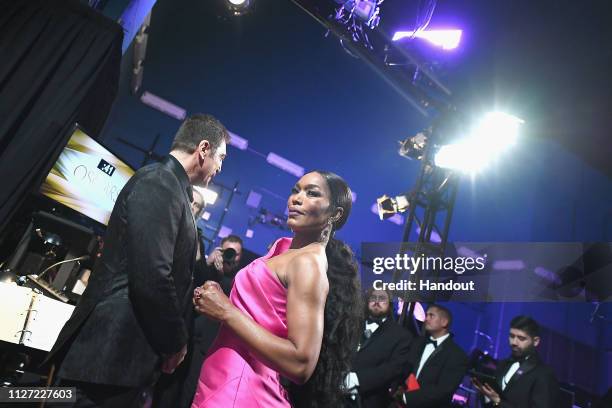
<point>203,148</point>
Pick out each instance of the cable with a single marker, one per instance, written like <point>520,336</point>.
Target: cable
<point>80,258</point>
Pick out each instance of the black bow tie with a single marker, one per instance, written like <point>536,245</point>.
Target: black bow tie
<point>431,341</point>
<point>376,320</point>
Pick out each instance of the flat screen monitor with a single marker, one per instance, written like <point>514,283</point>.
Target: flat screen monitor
<point>87,177</point>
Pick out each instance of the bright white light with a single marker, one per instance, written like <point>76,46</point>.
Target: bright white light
<point>462,156</point>
<point>447,39</point>
<point>237,2</point>
<point>210,196</point>
<point>493,135</point>
<point>497,131</point>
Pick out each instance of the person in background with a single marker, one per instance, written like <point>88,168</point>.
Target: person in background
<point>525,381</point>
<point>437,364</point>
<point>382,356</point>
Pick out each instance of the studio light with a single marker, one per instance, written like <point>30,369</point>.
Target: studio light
<point>356,16</point>
<point>413,147</point>
<point>497,131</point>
<point>389,206</point>
<point>488,139</point>
<point>365,10</point>
<point>239,7</point>
<point>464,156</point>
<point>446,39</point>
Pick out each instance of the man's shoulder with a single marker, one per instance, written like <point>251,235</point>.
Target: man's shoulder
<point>546,371</point>
<point>456,348</point>
<point>158,168</point>
<point>155,174</point>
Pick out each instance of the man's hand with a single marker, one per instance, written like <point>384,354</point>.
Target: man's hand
<point>216,258</point>
<point>486,390</point>
<point>170,362</point>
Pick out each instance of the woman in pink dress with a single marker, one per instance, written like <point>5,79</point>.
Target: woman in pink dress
<point>293,313</point>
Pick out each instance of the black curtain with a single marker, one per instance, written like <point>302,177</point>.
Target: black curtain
<point>59,64</point>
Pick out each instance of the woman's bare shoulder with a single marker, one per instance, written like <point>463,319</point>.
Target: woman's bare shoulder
<point>308,268</point>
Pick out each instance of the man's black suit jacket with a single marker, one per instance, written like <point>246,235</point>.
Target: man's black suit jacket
<point>533,386</point>
<point>138,299</point>
<point>381,362</point>
<point>440,376</point>
<point>178,389</point>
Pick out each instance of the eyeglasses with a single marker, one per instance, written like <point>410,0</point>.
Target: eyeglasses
<point>379,299</point>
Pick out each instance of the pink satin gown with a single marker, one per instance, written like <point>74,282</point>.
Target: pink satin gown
<point>231,375</point>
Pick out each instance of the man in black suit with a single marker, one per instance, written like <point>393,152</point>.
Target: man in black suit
<point>177,390</point>
<point>133,319</point>
<point>438,364</point>
<point>524,380</point>
<point>381,359</point>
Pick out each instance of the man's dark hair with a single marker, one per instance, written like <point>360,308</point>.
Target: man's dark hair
<point>197,128</point>
<point>526,324</point>
<point>445,312</point>
<point>232,238</point>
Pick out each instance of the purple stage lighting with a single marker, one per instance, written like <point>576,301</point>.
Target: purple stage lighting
<point>237,141</point>
<point>224,231</point>
<point>447,39</point>
<point>253,199</point>
<point>509,265</point>
<point>284,164</point>
<point>163,105</point>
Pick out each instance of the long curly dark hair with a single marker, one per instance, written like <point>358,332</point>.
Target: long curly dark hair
<point>343,313</point>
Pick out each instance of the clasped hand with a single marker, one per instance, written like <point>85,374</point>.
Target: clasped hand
<point>210,301</point>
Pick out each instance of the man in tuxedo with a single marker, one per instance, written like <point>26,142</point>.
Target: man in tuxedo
<point>524,380</point>
<point>381,359</point>
<point>133,319</point>
<point>437,364</point>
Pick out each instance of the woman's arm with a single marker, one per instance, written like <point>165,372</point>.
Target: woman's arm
<point>296,356</point>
